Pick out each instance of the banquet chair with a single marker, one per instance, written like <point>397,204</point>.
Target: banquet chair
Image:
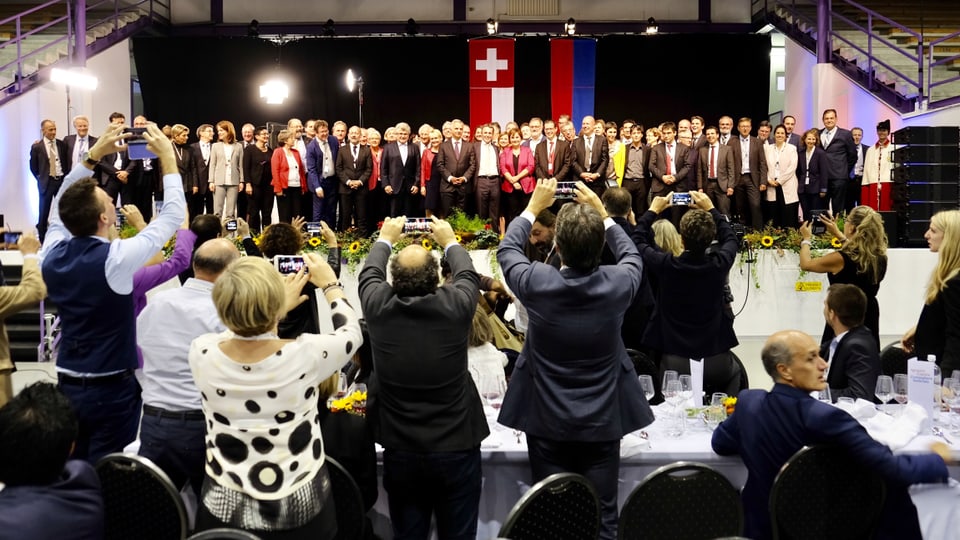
<point>683,500</point>
<point>224,534</point>
<point>825,482</point>
<point>351,514</point>
<point>893,359</point>
<point>562,506</point>
<point>139,500</point>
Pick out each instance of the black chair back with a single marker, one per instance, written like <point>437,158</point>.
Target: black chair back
<point>139,500</point>
<point>224,534</point>
<point>683,500</point>
<point>351,514</point>
<point>744,379</point>
<point>893,359</point>
<point>823,493</point>
<point>562,506</point>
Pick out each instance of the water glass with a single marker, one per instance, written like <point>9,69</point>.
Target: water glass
<point>900,385</point>
<point>646,383</point>
<point>668,375</point>
<point>952,397</point>
<point>675,419</point>
<point>686,389</point>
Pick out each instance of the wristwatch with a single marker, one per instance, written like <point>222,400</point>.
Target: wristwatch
<point>89,160</point>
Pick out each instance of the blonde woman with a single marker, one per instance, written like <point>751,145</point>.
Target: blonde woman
<point>861,261</point>
<point>265,469</point>
<point>666,237</point>
<point>226,170</point>
<point>937,332</point>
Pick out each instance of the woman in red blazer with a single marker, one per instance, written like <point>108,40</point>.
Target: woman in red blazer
<point>289,177</point>
<point>516,167</point>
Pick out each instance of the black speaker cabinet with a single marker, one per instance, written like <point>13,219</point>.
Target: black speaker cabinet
<point>273,129</point>
<point>923,210</point>
<point>927,154</point>
<point>927,135</point>
<point>890,227</point>
<point>934,192</point>
<point>941,172</point>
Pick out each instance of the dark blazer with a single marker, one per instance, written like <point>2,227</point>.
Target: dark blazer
<point>108,169</point>
<point>938,330</point>
<point>725,167</point>
<point>841,154</point>
<point>598,160</point>
<point>561,160</point>
<point>767,428</point>
<point>421,395</point>
<point>255,163</point>
<point>447,163</point>
<point>818,176</point>
<point>793,138</point>
<point>577,357</point>
<point>348,169</point>
<point>187,165</point>
<point>690,319</point>
<point>863,155</point>
<point>855,365</point>
<point>69,507</point>
<point>658,168</point>
<point>40,162</point>
<point>758,161</point>
<point>399,176</point>
<point>71,142</point>
<point>314,160</point>
<point>201,169</point>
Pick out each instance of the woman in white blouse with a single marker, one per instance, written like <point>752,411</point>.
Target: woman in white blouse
<point>782,197</point>
<point>226,170</point>
<point>265,468</point>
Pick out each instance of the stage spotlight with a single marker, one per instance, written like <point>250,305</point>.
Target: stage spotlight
<point>274,91</point>
<point>570,28</point>
<point>652,27</point>
<point>492,26</point>
<point>77,77</point>
<point>412,27</point>
<point>329,30</point>
<point>253,29</point>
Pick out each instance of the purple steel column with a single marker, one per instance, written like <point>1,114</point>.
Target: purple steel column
<point>823,31</point>
<point>80,32</point>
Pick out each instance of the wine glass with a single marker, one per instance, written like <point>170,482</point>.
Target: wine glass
<point>491,390</point>
<point>717,411</point>
<point>900,385</point>
<point>686,387</point>
<point>883,390</point>
<point>952,397</point>
<point>646,383</point>
<point>668,375</point>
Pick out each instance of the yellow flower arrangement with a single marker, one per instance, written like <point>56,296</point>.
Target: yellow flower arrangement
<point>427,244</point>
<point>836,243</point>
<point>314,242</point>
<point>766,241</point>
<point>354,246</point>
<point>459,239</point>
<point>730,404</point>
<point>354,402</point>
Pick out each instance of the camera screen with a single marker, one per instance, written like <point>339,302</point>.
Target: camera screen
<point>816,226</point>
<point>417,225</point>
<point>565,190</point>
<point>232,225</point>
<point>681,199</point>
<point>289,264</point>
<point>313,228</point>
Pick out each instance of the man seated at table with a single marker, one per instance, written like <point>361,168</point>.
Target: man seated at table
<point>767,428</point>
<point>42,495</point>
<point>853,360</point>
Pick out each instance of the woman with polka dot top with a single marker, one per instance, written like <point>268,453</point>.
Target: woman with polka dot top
<point>265,468</point>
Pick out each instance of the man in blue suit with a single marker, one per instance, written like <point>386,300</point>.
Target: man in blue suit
<point>574,391</point>
<point>322,174</point>
<point>841,157</point>
<point>767,428</point>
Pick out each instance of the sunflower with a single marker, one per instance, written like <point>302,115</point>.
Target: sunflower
<point>354,247</point>
<point>427,244</point>
<point>766,241</point>
<point>836,243</point>
<point>314,242</point>
<point>459,239</point>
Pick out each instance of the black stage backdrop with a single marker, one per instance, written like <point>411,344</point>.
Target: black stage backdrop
<point>424,79</point>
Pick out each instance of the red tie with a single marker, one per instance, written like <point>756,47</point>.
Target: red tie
<point>713,168</point>
<point>550,156</point>
<point>669,160</point>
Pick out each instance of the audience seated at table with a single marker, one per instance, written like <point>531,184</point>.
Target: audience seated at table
<point>42,494</point>
<point>767,428</point>
<point>852,355</point>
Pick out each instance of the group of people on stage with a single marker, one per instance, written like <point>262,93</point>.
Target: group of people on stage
<point>235,370</point>
<point>490,172</point>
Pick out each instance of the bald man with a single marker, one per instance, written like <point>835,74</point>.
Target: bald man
<point>172,430</point>
<point>767,428</point>
<point>418,331</point>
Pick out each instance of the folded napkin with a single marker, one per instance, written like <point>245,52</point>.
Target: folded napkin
<point>898,430</point>
<point>632,444</point>
<point>861,409</point>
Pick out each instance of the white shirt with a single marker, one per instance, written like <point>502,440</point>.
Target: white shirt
<point>165,330</point>
<point>488,161</point>
<point>81,145</point>
<point>745,155</point>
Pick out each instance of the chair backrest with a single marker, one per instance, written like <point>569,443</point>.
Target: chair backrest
<point>351,514</point>
<point>682,500</point>
<point>139,500</point>
<point>562,506</point>
<point>744,379</point>
<point>893,359</point>
<point>823,493</point>
<point>224,534</point>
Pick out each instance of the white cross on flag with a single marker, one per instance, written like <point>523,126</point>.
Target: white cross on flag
<point>491,81</point>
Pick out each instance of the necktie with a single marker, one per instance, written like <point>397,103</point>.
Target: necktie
<point>550,157</point>
<point>713,164</point>
<point>456,149</point>
<point>354,147</point>
<point>589,151</point>
<point>81,148</point>
<point>669,160</point>
<point>52,156</point>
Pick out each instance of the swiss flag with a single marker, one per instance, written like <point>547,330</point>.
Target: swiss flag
<point>491,80</point>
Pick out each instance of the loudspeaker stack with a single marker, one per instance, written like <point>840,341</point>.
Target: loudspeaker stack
<point>926,174</point>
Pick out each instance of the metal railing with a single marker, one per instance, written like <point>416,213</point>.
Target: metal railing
<point>943,61</point>
<point>20,36</point>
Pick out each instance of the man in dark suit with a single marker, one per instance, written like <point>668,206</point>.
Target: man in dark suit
<point>49,162</point>
<point>457,162</point>
<point>852,356</point>
<point>79,143</point>
<point>400,173</point>
<point>423,406</point>
<point>144,180</point>
<point>767,428</point>
<point>841,157</point>
<point>354,166</point>
<point>552,156</point>
<point>856,174</point>
<point>698,137</point>
<point>116,168</point>
<point>573,352</point>
<point>590,157</point>
<point>669,166</point>
<point>636,177</point>
<point>789,123</point>
<point>750,168</point>
<point>322,181</point>
<point>200,197</point>
<point>715,171</point>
